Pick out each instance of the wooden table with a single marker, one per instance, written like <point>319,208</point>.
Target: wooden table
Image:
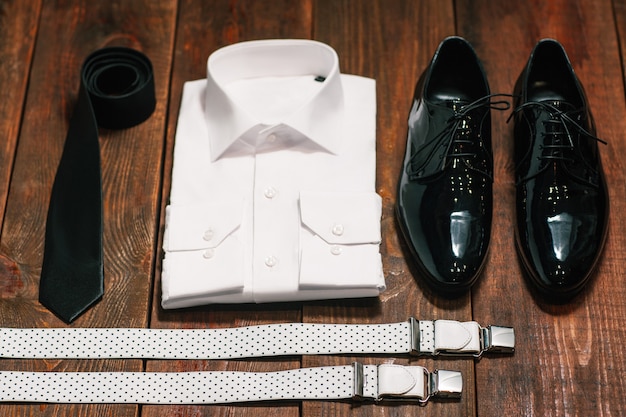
<point>569,359</point>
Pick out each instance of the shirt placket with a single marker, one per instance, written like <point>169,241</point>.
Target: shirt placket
<point>275,231</point>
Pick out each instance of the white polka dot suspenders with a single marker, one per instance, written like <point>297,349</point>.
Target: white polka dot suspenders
<point>356,381</point>
<point>411,337</point>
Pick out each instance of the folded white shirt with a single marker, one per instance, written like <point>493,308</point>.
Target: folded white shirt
<point>273,185</point>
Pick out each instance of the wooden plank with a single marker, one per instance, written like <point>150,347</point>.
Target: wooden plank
<point>203,27</point>
<point>18,30</point>
<point>131,165</point>
<point>393,43</point>
<point>569,359</point>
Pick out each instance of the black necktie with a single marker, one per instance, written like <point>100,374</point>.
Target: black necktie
<point>116,91</point>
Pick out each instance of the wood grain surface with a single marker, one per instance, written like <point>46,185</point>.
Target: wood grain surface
<point>569,359</point>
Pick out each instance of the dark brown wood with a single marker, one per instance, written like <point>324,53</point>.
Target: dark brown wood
<point>131,169</point>
<point>569,358</point>
<point>18,30</point>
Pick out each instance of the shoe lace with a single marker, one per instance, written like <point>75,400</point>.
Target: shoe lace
<point>458,131</point>
<point>559,131</point>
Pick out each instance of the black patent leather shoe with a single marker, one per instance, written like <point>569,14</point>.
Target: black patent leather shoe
<point>562,202</point>
<point>444,201</point>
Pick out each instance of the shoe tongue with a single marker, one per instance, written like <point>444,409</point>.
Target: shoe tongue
<point>561,105</point>
<point>456,104</point>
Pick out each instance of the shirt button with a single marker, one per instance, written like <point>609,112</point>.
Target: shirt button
<point>271,138</point>
<point>271,261</point>
<point>337,229</point>
<point>270,192</point>
<point>208,254</point>
<point>208,234</point>
<point>335,250</point>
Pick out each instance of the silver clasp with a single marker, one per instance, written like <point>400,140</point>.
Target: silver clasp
<point>358,383</point>
<point>497,339</point>
<point>414,329</point>
<point>445,384</point>
<point>442,384</point>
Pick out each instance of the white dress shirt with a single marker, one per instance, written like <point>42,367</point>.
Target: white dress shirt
<point>273,185</point>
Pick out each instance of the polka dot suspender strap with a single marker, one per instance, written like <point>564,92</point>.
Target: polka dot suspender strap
<point>357,381</point>
<point>412,337</point>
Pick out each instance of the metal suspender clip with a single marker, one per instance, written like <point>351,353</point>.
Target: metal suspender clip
<point>497,339</point>
<point>492,339</point>
<point>445,384</point>
<point>441,384</point>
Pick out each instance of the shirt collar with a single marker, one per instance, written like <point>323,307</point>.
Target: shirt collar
<point>319,120</point>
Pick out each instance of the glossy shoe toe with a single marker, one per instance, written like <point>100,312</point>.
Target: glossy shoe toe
<point>448,235</point>
<point>560,235</point>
